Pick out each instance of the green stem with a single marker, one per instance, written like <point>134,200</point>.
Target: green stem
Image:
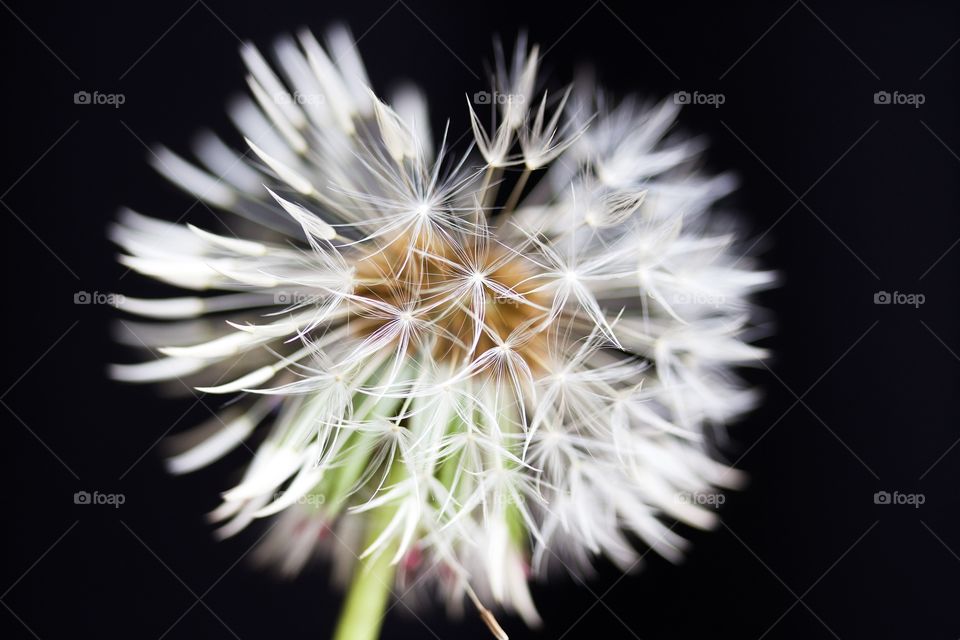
<point>365,607</point>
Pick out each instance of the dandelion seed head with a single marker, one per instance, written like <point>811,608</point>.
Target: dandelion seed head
<point>452,381</point>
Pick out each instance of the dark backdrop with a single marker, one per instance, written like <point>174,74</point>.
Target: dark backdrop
<point>852,198</point>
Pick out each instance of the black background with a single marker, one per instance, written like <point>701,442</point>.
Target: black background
<point>854,197</point>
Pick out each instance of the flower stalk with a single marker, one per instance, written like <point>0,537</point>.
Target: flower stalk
<point>365,605</point>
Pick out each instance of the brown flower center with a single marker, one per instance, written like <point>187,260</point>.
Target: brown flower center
<point>453,288</point>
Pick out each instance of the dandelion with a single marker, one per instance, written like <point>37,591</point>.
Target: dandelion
<point>452,392</point>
